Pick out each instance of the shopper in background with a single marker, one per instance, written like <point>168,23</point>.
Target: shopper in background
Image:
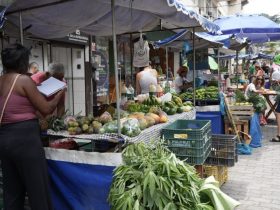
<point>22,155</point>
<point>259,71</point>
<point>33,68</point>
<point>256,86</point>
<point>55,70</point>
<point>253,69</point>
<point>144,78</point>
<point>266,68</point>
<point>181,83</point>
<point>275,80</point>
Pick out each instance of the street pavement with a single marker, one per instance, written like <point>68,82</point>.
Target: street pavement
<point>255,179</point>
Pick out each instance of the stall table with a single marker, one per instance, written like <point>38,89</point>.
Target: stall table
<point>81,180</point>
<point>271,104</point>
<point>146,135</point>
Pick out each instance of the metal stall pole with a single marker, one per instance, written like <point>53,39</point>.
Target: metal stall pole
<point>116,65</point>
<point>166,57</point>
<point>219,76</point>
<point>236,69</point>
<point>193,67</point>
<point>20,28</point>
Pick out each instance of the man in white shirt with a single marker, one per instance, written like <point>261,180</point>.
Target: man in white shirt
<point>181,83</point>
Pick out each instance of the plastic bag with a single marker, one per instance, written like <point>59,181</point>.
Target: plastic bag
<point>255,131</point>
<point>222,103</point>
<point>244,149</point>
<point>131,128</point>
<point>110,127</point>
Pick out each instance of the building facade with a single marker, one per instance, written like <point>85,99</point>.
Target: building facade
<point>213,9</point>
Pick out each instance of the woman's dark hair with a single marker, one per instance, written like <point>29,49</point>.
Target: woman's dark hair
<point>182,69</point>
<point>15,58</point>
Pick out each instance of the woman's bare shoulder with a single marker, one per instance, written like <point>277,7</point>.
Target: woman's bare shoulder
<point>154,71</point>
<point>26,80</point>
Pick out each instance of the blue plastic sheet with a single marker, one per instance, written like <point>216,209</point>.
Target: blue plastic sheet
<point>255,131</point>
<point>244,149</point>
<point>222,104</point>
<point>80,186</point>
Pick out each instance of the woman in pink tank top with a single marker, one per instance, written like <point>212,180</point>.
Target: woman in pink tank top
<point>21,153</point>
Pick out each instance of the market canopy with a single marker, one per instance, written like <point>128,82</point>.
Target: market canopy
<point>248,56</point>
<point>178,40</point>
<point>257,28</point>
<point>229,41</point>
<point>95,16</point>
<point>202,40</point>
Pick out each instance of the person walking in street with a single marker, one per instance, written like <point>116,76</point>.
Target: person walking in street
<point>22,156</point>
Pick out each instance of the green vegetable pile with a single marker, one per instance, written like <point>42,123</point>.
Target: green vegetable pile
<point>258,102</point>
<point>208,93</point>
<point>153,178</point>
<point>239,96</point>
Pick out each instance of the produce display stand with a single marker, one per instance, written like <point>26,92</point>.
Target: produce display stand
<point>91,173</point>
<point>241,112</point>
<point>146,135</point>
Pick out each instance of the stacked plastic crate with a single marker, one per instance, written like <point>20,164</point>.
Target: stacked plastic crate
<point>223,150</point>
<point>189,140</point>
<point>223,155</point>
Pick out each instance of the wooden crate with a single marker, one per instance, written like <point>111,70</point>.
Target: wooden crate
<point>241,112</point>
<point>242,126</point>
<point>220,173</point>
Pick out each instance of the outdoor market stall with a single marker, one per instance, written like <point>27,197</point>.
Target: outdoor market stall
<point>98,18</point>
<point>206,98</point>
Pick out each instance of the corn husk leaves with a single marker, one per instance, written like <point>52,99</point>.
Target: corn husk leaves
<point>153,178</point>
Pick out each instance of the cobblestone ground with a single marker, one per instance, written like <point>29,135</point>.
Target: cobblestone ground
<point>255,180</point>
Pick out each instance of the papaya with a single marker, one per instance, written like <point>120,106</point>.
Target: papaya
<point>154,116</point>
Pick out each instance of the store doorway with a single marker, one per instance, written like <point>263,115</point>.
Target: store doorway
<point>73,59</point>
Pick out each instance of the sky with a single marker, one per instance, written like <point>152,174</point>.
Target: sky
<point>270,7</point>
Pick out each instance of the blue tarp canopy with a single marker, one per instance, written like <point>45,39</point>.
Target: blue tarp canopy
<point>177,40</point>
<point>265,56</point>
<point>256,28</point>
<point>95,16</point>
<point>229,41</point>
<point>202,39</point>
<point>248,56</point>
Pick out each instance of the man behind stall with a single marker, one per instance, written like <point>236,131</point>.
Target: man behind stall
<point>181,83</point>
<point>33,68</point>
<point>55,70</point>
